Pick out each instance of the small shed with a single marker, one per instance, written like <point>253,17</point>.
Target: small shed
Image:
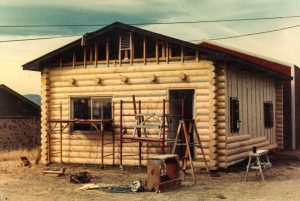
<point>19,121</point>
<point>102,89</point>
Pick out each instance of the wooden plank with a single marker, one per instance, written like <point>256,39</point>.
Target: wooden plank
<point>156,52</point>
<point>91,54</point>
<point>131,50</point>
<point>74,60</point>
<point>197,55</point>
<point>182,54</point>
<point>96,53</point>
<point>144,51</point>
<point>167,52</point>
<point>120,51</point>
<point>107,51</point>
<point>84,57</point>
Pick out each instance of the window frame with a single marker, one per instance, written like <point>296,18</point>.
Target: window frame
<point>91,97</point>
<point>269,124</point>
<point>235,129</point>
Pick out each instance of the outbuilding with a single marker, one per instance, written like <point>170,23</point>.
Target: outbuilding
<point>19,121</point>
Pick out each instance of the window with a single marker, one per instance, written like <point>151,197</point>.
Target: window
<point>234,115</point>
<point>91,108</point>
<point>268,115</point>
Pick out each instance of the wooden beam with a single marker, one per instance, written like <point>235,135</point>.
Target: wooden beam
<point>156,52</point>
<point>131,50</point>
<point>84,57</point>
<point>60,63</point>
<point>107,51</point>
<point>144,50</point>
<point>182,54</point>
<point>197,55</point>
<point>120,52</point>
<point>91,54</point>
<point>163,50</point>
<point>74,59</point>
<point>167,52</point>
<point>170,50</point>
<point>96,53</point>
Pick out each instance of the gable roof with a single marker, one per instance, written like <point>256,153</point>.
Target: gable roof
<point>272,64</point>
<point>19,96</point>
<point>211,50</point>
<point>35,64</point>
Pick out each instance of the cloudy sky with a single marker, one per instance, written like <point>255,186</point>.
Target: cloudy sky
<point>282,45</point>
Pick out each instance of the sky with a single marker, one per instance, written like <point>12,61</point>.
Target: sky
<point>282,45</point>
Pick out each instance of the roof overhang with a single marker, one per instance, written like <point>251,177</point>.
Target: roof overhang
<point>216,52</point>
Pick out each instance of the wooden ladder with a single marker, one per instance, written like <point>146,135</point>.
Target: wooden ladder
<point>188,156</point>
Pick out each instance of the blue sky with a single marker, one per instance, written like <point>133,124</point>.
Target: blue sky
<point>284,45</point>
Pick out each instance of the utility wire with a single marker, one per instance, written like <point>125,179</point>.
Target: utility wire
<point>256,33</point>
<point>42,38</point>
<point>222,38</point>
<point>151,23</point>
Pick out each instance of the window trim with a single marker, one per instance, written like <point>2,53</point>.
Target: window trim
<point>71,130</point>
<point>232,130</point>
<point>271,117</point>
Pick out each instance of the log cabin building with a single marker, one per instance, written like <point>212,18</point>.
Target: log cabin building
<point>120,73</point>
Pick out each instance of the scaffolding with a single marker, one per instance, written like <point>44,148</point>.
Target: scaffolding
<point>60,125</point>
<point>162,127</point>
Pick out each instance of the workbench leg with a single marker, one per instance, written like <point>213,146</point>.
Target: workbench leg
<point>270,164</point>
<point>248,166</point>
<point>260,168</point>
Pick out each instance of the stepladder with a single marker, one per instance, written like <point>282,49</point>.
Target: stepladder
<point>186,136</point>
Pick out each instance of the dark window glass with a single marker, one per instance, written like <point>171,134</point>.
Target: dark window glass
<point>82,110</point>
<point>268,115</point>
<point>91,108</point>
<point>234,115</point>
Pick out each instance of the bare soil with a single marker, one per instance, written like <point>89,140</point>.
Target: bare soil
<point>18,183</point>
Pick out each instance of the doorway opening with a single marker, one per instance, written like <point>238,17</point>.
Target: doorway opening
<point>175,108</point>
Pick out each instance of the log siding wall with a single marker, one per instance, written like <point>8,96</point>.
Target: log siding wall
<point>85,148</point>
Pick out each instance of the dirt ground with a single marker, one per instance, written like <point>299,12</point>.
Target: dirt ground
<point>19,183</point>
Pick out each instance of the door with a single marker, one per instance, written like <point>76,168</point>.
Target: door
<point>176,110</point>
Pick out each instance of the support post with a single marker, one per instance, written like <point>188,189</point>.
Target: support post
<point>197,56</point>
<point>144,50</point>
<point>107,51</point>
<point>139,135</point>
<point>120,52</point>
<point>156,52</point>
<point>163,128</point>
<point>60,63</point>
<point>96,54</point>
<point>121,135</point>
<point>84,57</point>
<point>61,132</point>
<point>167,52</point>
<point>182,54</point>
<point>74,59</point>
<point>131,50</point>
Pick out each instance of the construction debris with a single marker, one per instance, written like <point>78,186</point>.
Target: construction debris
<point>89,187</point>
<point>58,171</point>
<point>25,161</point>
<point>138,186</point>
<point>81,178</point>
